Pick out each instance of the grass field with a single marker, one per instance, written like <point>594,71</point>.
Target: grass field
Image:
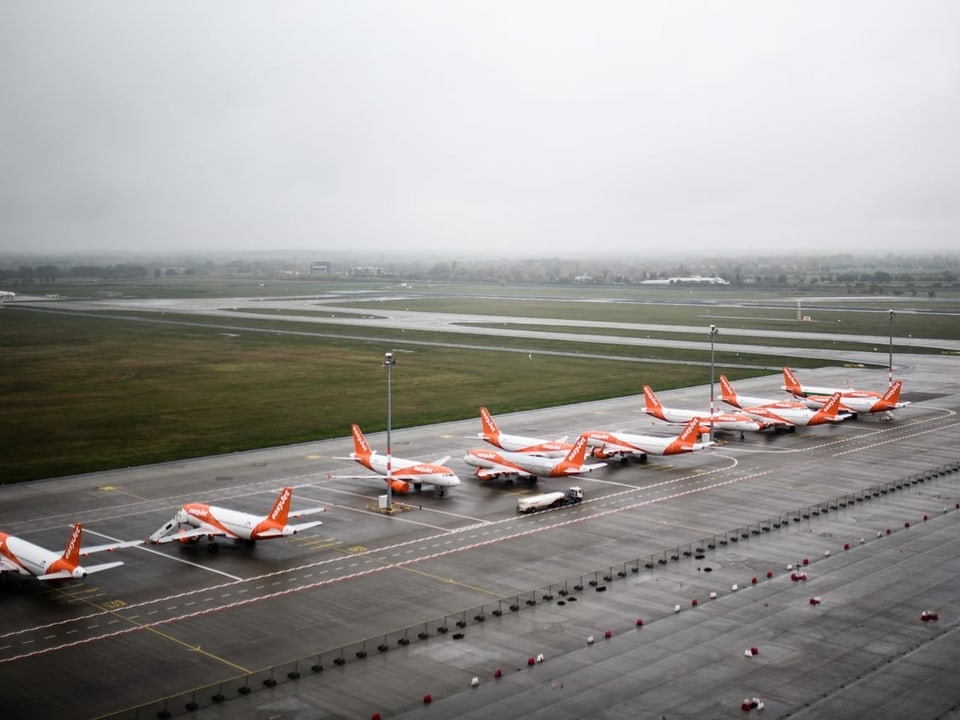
<point>80,394</point>
<point>83,393</point>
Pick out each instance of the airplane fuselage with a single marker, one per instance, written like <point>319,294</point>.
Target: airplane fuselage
<point>627,443</point>
<point>232,522</point>
<point>31,559</point>
<point>524,465</point>
<point>791,413</point>
<point>856,401</point>
<point>413,471</point>
<point>529,445</point>
<point>720,421</point>
<point>519,462</point>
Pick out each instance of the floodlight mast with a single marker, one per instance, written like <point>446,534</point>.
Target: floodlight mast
<point>890,355</point>
<point>714,330</point>
<point>388,362</point>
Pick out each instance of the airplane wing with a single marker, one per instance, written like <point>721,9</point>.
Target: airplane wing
<point>768,420</point>
<point>609,449</point>
<point>304,526</point>
<point>201,531</point>
<point>498,471</point>
<point>109,547</point>
<point>87,569</point>
<point>371,474</point>
<point>308,511</point>
<point>409,477</point>
<point>586,468</point>
<point>294,529</point>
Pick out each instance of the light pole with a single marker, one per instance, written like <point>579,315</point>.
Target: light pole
<point>388,362</point>
<point>713,333</point>
<point>890,362</point>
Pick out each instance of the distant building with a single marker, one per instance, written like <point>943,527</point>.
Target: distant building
<point>690,280</point>
<point>320,268</point>
<point>365,271</point>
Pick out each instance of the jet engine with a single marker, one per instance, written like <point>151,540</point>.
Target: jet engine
<point>401,487</point>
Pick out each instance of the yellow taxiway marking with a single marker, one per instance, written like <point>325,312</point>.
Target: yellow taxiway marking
<point>159,633</point>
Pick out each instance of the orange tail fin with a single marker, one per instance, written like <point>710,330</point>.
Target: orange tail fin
<point>892,395</point>
<point>654,407</point>
<point>828,413</point>
<point>71,554</point>
<point>790,382</point>
<point>360,445</point>
<point>281,508</point>
<point>686,438</point>
<point>578,453</point>
<point>490,429</point>
<point>727,392</point>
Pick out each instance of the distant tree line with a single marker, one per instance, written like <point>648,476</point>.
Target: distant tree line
<point>849,274</point>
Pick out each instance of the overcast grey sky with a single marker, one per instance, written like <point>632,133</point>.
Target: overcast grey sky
<point>506,126</point>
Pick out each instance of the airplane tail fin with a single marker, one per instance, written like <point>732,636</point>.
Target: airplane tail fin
<point>687,438</point>
<point>577,454</point>
<point>727,393</point>
<point>490,429</point>
<point>71,554</point>
<point>828,413</point>
<point>68,564</point>
<point>360,445</point>
<point>790,382</point>
<point>653,405</point>
<point>281,508</point>
<point>892,395</point>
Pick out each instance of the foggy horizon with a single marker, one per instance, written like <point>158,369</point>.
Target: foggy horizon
<point>480,129</point>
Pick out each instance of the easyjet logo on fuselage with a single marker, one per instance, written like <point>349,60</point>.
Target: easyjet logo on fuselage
<point>551,446</point>
<point>424,469</point>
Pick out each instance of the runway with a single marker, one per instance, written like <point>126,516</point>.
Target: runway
<point>398,608</point>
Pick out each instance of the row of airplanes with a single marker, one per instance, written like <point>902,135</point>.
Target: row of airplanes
<point>512,457</point>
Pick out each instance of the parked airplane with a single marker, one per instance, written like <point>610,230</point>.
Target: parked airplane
<point>520,443</point>
<point>196,520</point>
<point>7,295</point>
<point>605,444</point>
<point>851,400</point>
<point>740,422</point>
<point>512,465</point>
<point>786,414</point>
<point>18,555</point>
<point>402,473</point>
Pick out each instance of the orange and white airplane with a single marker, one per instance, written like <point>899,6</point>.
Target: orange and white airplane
<point>196,520</point>
<point>785,414</point>
<point>740,422</point>
<point>513,465</point>
<point>851,400</point>
<point>19,556</point>
<point>605,444</point>
<point>402,473</point>
<point>520,443</point>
